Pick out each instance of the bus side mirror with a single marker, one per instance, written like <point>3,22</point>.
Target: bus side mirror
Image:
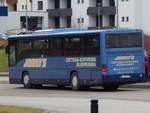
<point>7,49</point>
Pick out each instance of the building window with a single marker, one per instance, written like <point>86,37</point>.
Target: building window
<point>123,19</point>
<point>40,5</point>
<point>125,0</point>
<point>78,20</point>
<point>57,22</point>
<point>25,6</point>
<point>127,19</point>
<point>82,20</point>
<point>1,2</point>
<point>22,6</point>
<point>68,21</point>
<point>57,4</point>
<point>68,3</point>
<point>34,23</point>
<point>78,1</point>
<point>82,1</point>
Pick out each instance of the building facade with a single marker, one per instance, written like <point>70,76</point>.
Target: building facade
<point>20,11</point>
<point>60,13</point>
<point>99,13</point>
<point>81,13</point>
<point>89,14</point>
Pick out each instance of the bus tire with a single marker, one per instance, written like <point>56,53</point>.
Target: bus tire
<point>26,80</point>
<point>110,87</point>
<point>75,82</point>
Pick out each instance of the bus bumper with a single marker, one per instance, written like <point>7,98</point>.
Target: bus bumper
<point>124,79</point>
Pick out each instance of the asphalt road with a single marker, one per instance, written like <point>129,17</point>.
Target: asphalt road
<point>140,94</point>
<point>56,100</point>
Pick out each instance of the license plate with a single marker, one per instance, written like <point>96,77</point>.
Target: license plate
<point>125,76</point>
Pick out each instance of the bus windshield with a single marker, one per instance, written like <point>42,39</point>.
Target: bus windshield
<point>123,40</point>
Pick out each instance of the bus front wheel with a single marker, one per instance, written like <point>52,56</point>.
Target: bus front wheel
<point>110,87</point>
<point>75,83</point>
<point>26,80</point>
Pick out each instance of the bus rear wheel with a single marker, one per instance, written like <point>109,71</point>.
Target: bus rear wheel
<point>75,83</point>
<point>110,87</point>
<point>26,80</point>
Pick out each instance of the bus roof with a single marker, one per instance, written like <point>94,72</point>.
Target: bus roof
<point>65,31</point>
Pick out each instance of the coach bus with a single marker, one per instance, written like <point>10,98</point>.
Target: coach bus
<point>77,58</point>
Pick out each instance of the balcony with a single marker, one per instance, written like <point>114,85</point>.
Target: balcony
<point>60,12</point>
<point>103,10</point>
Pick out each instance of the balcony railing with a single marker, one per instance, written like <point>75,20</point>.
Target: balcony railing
<point>103,10</point>
<point>60,12</point>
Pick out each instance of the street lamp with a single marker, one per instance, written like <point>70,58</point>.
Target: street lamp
<point>99,14</point>
<point>26,16</point>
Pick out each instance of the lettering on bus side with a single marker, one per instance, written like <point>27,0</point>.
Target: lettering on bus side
<point>125,58</point>
<point>125,64</point>
<point>37,62</point>
<point>82,61</point>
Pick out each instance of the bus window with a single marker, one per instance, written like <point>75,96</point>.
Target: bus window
<point>72,46</point>
<point>123,40</point>
<point>40,48</point>
<point>90,45</point>
<point>56,47</point>
<point>12,53</point>
<point>24,49</point>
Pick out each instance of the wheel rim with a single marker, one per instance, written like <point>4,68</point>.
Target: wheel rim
<point>26,79</point>
<point>74,81</point>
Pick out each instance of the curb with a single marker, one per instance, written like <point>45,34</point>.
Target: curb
<point>139,85</point>
<point>4,74</point>
<point>4,82</point>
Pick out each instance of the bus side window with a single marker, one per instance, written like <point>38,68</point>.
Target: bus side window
<point>40,48</point>
<point>56,47</point>
<point>90,45</point>
<point>24,49</point>
<point>12,53</point>
<point>72,46</point>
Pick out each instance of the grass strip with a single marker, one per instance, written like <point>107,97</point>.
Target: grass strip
<point>15,109</point>
<point>3,61</point>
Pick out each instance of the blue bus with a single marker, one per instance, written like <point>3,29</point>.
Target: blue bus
<point>77,58</point>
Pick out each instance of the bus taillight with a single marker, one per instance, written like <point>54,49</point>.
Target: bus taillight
<point>103,69</point>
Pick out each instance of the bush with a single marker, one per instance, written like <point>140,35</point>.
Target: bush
<point>3,60</point>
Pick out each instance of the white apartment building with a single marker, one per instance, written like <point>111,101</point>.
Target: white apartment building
<point>134,14</point>
<point>81,13</point>
<point>59,12</point>
<point>18,10</point>
<point>89,14</point>
<point>110,13</point>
